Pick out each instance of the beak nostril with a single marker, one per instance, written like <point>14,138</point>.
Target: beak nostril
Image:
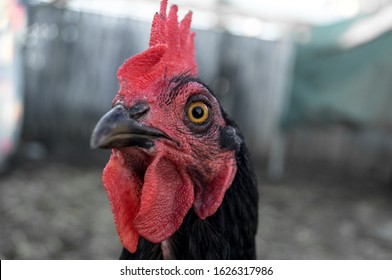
<point>138,110</point>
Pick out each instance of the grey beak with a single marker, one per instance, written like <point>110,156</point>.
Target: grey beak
<point>118,129</point>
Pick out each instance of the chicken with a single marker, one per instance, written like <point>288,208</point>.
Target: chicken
<point>179,179</point>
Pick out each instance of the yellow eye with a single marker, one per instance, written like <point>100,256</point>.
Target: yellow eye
<point>198,112</point>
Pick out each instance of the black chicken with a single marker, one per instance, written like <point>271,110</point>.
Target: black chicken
<point>179,178</point>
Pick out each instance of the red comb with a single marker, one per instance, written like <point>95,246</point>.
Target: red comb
<point>171,52</point>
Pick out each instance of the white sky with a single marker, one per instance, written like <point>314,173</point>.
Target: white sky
<point>316,12</point>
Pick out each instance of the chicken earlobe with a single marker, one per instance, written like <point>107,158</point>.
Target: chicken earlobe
<point>208,198</point>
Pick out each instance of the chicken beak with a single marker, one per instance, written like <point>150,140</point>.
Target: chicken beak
<point>117,129</point>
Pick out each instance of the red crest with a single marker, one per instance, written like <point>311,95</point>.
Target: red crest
<point>171,52</point>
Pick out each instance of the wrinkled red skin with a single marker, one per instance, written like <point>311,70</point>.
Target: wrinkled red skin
<point>152,190</point>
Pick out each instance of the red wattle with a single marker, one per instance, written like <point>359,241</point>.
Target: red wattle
<point>166,198</point>
<point>121,187</point>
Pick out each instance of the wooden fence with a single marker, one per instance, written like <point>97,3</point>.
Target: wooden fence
<point>71,60</point>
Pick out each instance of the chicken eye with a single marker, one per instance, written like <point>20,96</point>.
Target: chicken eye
<point>198,112</point>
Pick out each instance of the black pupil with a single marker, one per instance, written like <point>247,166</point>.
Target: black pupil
<point>197,112</point>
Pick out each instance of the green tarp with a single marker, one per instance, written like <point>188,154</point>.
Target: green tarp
<point>330,84</point>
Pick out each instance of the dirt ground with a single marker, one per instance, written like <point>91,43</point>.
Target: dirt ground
<point>57,209</point>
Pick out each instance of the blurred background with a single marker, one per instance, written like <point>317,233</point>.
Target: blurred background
<point>308,81</point>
